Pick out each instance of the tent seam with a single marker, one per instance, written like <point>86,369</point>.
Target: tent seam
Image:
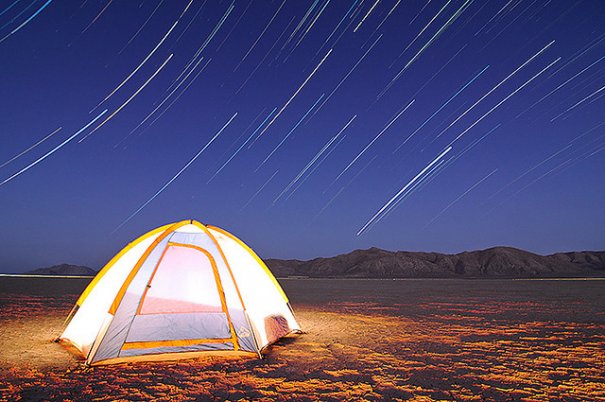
<point>143,295</point>
<point>241,299</point>
<point>145,255</point>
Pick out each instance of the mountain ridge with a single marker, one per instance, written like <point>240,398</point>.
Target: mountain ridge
<point>504,262</point>
<point>495,262</point>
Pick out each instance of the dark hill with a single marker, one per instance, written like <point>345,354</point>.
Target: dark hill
<point>497,262</point>
<point>64,269</point>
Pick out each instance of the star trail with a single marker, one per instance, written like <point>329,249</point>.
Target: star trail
<point>311,128</point>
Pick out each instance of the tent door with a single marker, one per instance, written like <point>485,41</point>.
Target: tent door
<point>183,305</point>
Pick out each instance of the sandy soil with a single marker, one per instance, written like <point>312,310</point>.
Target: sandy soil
<point>374,340</point>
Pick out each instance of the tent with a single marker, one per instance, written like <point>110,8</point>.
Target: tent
<point>176,291</point>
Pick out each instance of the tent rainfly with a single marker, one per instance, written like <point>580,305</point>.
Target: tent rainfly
<point>179,290</point>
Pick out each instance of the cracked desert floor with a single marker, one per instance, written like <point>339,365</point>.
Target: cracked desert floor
<point>365,340</point>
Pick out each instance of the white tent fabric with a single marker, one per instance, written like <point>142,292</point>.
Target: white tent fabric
<point>180,288</point>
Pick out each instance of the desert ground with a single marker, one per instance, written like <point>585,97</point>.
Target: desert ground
<point>365,340</point>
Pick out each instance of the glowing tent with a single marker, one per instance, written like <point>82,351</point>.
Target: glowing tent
<point>180,289</point>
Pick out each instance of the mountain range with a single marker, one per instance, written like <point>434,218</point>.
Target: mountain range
<point>497,262</point>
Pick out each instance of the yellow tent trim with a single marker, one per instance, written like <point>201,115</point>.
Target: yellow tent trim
<point>173,356</point>
<point>178,342</point>
<point>218,246</point>
<point>135,269</point>
<point>256,257</point>
<point>108,266</point>
<point>219,285</point>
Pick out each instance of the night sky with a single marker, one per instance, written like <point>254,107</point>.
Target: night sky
<point>306,128</point>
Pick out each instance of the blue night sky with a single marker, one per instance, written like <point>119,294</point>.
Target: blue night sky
<point>306,128</point>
